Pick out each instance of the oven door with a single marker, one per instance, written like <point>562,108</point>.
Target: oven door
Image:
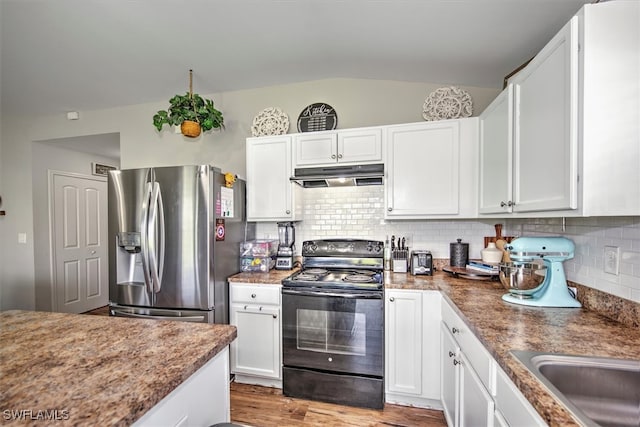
<point>333,331</point>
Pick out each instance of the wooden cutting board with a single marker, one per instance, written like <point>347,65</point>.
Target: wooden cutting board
<point>498,236</point>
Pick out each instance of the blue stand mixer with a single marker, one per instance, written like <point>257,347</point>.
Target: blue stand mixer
<point>534,284</point>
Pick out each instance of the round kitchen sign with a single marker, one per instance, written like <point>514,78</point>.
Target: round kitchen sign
<point>318,116</point>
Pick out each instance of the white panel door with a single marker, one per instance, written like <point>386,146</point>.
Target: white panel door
<point>79,237</point>
<point>360,146</point>
<point>317,148</point>
<point>423,170</point>
<point>404,342</point>
<point>546,136</point>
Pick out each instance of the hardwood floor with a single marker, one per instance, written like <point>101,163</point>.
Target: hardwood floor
<point>257,406</point>
<point>266,407</point>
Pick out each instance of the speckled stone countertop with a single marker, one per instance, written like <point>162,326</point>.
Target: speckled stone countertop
<point>273,277</point>
<point>502,327</point>
<point>98,370</point>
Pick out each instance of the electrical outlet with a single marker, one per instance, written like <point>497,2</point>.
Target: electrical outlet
<point>612,260</point>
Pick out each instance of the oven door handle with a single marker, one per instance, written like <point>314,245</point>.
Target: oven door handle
<point>359,295</point>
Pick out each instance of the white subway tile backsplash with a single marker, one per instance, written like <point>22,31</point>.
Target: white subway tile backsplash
<point>358,212</point>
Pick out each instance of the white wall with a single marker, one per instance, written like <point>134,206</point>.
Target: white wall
<point>357,102</point>
<point>47,158</point>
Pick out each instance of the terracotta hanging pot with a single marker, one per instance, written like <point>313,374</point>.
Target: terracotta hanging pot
<point>190,129</point>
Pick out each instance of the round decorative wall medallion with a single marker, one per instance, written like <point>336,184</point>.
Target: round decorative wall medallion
<point>447,103</point>
<point>270,121</point>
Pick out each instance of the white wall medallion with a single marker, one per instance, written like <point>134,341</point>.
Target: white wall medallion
<point>447,103</point>
<point>270,121</point>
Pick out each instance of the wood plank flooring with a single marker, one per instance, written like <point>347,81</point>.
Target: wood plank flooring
<point>266,407</point>
<point>257,406</point>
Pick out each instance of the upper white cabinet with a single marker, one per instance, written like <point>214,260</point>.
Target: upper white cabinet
<point>270,194</point>
<point>572,127</point>
<point>431,169</point>
<point>351,146</point>
<point>495,192</point>
<point>545,130</point>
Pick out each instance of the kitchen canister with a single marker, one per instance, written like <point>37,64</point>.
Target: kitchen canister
<point>458,254</point>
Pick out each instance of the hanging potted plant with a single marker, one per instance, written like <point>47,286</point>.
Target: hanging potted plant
<point>193,113</point>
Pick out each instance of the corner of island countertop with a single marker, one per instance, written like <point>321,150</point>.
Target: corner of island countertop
<point>101,370</point>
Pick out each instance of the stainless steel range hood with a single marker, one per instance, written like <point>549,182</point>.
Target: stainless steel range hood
<point>339,176</point>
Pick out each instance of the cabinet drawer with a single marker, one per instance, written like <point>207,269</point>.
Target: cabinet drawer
<point>480,359</point>
<point>511,403</point>
<point>255,294</point>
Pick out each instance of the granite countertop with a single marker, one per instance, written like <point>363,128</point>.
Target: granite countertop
<point>502,327</point>
<point>97,370</point>
<point>272,277</point>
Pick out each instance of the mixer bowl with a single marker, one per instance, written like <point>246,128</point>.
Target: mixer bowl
<point>522,279</point>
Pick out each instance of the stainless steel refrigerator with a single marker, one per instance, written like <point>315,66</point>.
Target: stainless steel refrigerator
<point>174,239</point>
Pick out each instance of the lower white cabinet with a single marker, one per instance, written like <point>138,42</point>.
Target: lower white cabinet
<point>512,408</point>
<point>475,391</point>
<point>465,399</point>
<point>412,361</point>
<point>202,400</point>
<point>256,354</point>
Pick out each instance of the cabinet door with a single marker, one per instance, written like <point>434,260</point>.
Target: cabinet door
<point>422,170</point>
<point>545,152</point>
<point>449,376</point>
<point>476,405</point>
<point>404,342</point>
<point>496,155</point>
<point>269,191</point>
<point>256,350</point>
<point>315,149</point>
<point>360,146</point>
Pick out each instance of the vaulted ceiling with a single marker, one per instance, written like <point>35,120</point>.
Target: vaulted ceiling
<point>68,55</point>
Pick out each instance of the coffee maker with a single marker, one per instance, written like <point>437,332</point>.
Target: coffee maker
<point>287,238</point>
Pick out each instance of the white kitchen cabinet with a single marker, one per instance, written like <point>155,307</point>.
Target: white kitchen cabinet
<point>495,192</point>
<point>256,354</point>
<point>352,146</point>
<point>545,130</point>
<point>465,396</point>
<point>431,169</point>
<point>271,196</point>
<point>575,129</point>
<point>412,359</point>
<point>202,399</point>
<point>512,408</point>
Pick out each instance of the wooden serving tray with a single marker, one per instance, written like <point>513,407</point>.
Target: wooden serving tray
<point>465,273</point>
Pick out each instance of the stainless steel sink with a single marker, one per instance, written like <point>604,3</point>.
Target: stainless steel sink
<point>598,391</point>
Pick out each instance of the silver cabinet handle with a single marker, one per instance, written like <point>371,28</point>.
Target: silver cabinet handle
<point>389,209</point>
<point>253,295</point>
<point>275,316</point>
<point>333,156</point>
<point>455,330</point>
<point>392,299</point>
<point>455,362</point>
<point>93,252</point>
<point>503,204</point>
<point>288,211</point>
<point>339,156</point>
<point>451,354</point>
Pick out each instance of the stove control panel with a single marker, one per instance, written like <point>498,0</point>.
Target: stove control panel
<point>352,248</point>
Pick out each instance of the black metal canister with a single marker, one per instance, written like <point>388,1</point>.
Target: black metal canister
<point>458,254</point>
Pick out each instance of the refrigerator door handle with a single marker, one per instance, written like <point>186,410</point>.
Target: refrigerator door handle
<point>144,238</point>
<point>121,313</point>
<point>161,238</point>
<point>152,233</point>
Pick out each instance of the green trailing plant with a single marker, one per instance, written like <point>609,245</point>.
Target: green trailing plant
<point>191,107</point>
